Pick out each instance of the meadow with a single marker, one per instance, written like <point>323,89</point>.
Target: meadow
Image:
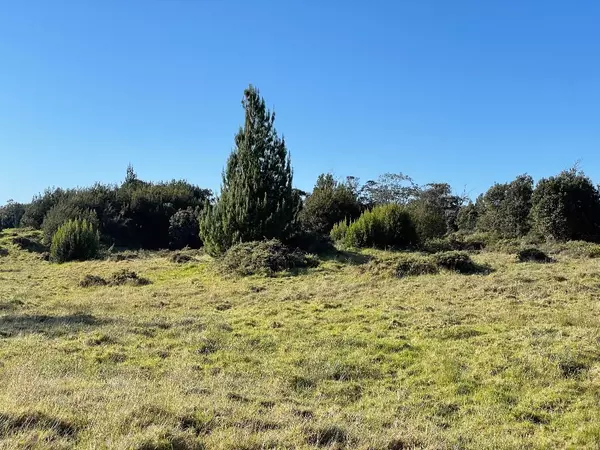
<point>343,355</point>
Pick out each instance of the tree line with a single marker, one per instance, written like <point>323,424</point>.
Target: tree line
<point>258,201</point>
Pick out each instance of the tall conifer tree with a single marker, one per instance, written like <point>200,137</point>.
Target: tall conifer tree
<point>257,200</point>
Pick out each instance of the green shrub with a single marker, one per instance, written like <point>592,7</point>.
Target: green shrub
<point>411,265</point>
<point>329,202</point>
<point>61,213</point>
<point>74,240</point>
<point>533,255</point>
<point>127,277</point>
<point>567,207</point>
<point>184,230</point>
<point>455,261</point>
<point>386,226</point>
<point>264,258</point>
<point>339,230</point>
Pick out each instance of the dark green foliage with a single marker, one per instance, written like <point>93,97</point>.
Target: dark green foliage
<point>135,214</point>
<point>184,229</point>
<point>35,211</point>
<point>329,203</point>
<point>466,219</point>
<point>412,265</point>
<point>532,254</point>
<point>74,240</point>
<point>504,209</point>
<point>311,242</point>
<point>386,226</point>
<point>11,214</point>
<point>63,212</point>
<point>456,261</point>
<point>264,258</point>
<point>567,207</point>
<point>257,199</point>
<point>434,211</point>
<point>147,208</point>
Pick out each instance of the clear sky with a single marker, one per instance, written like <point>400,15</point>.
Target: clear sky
<point>468,92</point>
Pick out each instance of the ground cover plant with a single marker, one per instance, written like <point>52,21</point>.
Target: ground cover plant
<point>340,356</point>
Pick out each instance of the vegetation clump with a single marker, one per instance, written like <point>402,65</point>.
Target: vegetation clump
<point>92,280</point>
<point>386,226</point>
<point>264,258</point>
<point>532,254</point>
<point>127,277</point>
<point>184,229</point>
<point>76,240</point>
<point>413,264</point>
<point>456,261</point>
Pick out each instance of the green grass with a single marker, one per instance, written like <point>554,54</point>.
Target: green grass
<point>340,356</point>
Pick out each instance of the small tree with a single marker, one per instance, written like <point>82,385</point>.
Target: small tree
<point>62,213</point>
<point>466,220</point>
<point>74,240</point>
<point>184,229</point>
<point>257,200</point>
<point>567,207</point>
<point>504,209</point>
<point>11,214</point>
<point>329,203</point>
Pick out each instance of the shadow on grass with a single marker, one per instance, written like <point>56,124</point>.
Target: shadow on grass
<point>31,245</point>
<point>37,420</point>
<point>52,326</point>
<point>346,257</point>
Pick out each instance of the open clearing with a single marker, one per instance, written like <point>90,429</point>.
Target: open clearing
<point>335,357</point>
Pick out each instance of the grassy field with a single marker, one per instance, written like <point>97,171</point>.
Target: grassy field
<point>337,357</point>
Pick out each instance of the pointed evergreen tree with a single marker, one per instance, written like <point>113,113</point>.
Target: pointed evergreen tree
<point>257,200</point>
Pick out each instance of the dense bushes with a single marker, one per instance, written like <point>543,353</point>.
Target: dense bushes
<point>61,213</point>
<point>387,226</point>
<point>504,209</point>
<point>11,214</point>
<point>329,203</point>
<point>184,229</point>
<point>264,258</point>
<point>74,240</point>
<point>135,214</point>
<point>567,207</point>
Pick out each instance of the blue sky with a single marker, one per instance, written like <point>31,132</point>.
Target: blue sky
<point>468,92</point>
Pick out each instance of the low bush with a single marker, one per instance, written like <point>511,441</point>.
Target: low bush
<point>92,280</point>
<point>128,277</point>
<point>412,264</point>
<point>456,261</point>
<point>264,258</point>
<point>74,240</point>
<point>532,254</point>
